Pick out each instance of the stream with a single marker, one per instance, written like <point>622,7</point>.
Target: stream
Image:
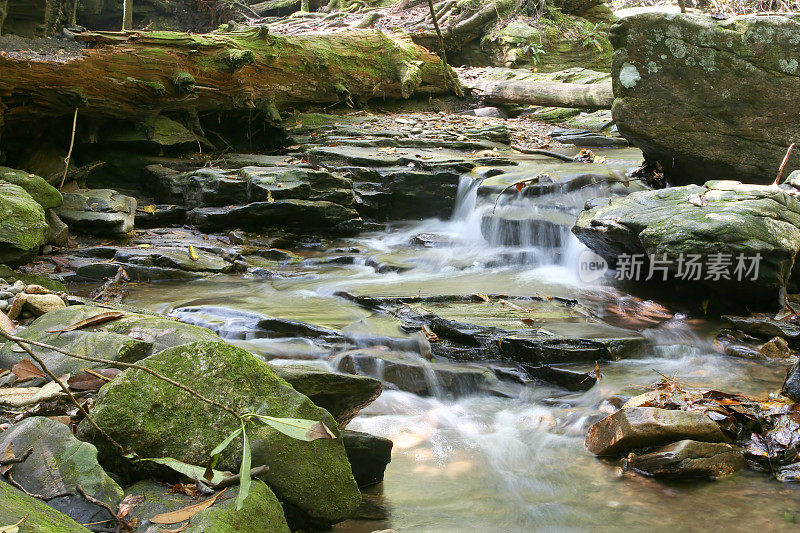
<point>481,462</point>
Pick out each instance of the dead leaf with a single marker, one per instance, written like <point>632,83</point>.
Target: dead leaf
<point>91,321</point>
<point>7,454</point>
<point>6,324</point>
<point>149,209</point>
<point>481,297</point>
<point>270,199</point>
<point>429,334</point>
<point>319,431</point>
<point>179,529</point>
<point>529,321</point>
<point>25,370</point>
<point>129,503</point>
<point>186,513</point>
<point>183,488</point>
<point>92,379</point>
<point>13,528</point>
<point>519,187</point>
<point>192,254</point>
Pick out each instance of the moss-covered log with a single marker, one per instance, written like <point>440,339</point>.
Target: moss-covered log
<point>140,74</point>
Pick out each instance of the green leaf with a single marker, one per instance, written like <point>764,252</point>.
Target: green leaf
<point>298,428</point>
<point>212,462</point>
<point>244,471</point>
<point>190,471</point>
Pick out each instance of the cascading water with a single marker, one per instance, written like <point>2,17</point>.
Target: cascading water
<point>481,462</point>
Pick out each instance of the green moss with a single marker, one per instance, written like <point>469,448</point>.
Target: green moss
<point>45,194</point>
<point>41,519</point>
<point>23,227</point>
<point>8,274</point>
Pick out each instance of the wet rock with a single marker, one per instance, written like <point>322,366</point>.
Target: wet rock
<point>765,326</point>
<point>58,464</point>
<point>42,192</point>
<point>663,86</point>
<point>690,459</point>
<point>261,513</point>
<point>640,427</point>
<point>569,379</point>
<point>23,227</point>
<point>98,212</point>
<point>722,217</point>
<point>776,348</point>
<point>589,139</point>
<point>411,373</point>
<point>368,455</point>
<point>342,395</point>
<point>15,505</point>
<point>162,215</point>
<point>127,339</point>
<point>58,232</point>
<point>791,385</point>
<point>527,227</point>
<point>156,419</point>
<point>40,304</point>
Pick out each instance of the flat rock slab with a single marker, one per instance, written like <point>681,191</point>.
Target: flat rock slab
<point>640,427</point>
<point>690,458</point>
<point>98,212</point>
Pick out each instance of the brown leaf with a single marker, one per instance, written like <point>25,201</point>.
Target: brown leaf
<point>429,334</point>
<point>129,504</point>
<point>25,370</point>
<point>92,379</point>
<point>179,529</point>
<point>480,297</point>
<point>7,454</point>
<point>186,513</point>
<point>187,489</point>
<point>319,431</point>
<point>91,321</point>
<point>519,187</point>
<point>529,321</point>
<point>6,324</point>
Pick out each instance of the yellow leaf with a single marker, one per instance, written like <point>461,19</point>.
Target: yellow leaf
<point>186,513</point>
<point>270,199</point>
<point>192,254</point>
<point>143,246</point>
<point>13,528</point>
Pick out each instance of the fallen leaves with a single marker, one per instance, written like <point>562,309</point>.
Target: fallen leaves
<point>91,321</point>
<point>128,504</point>
<point>429,333</point>
<point>25,370</point>
<point>6,324</point>
<point>181,515</point>
<point>92,380</point>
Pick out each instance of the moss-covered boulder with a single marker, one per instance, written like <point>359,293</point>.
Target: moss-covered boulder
<point>15,504</point>
<point>262,512</point>
<point>156,419</point>
<point>738,240</point>
<point>342,395</point>
<point>127,339</point>
<point>45,194</point>
<point>23,228</point>
<point>709,98</point>
<point>58,464</point>
<point>11,275</point>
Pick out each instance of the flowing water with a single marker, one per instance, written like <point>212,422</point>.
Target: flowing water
<point>481,463</point>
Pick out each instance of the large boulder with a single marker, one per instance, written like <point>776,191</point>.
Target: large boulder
<point>45,194</point>
<point>23,227</point>
<point>58,464</point>
<point>98,212</point>
<point>721,217</point>
<point>261,512</point>
<point>640,427</point>
<point>15,505</point>
<point>156,419</point>
<point>690,458</point>
<point>127,339</point>
<point>709,98</point>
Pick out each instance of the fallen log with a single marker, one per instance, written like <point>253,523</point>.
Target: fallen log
<point>140,74</point>
<point>543,93</point>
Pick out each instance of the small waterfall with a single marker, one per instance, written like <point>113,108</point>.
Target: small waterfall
<point>466,197</point>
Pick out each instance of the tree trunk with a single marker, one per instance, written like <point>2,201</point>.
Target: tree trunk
<point>549,94</point>
<point>127,15</point>
<point>147,73</point>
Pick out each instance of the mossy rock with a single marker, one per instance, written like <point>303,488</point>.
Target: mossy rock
<point>128,339</point>
<point>262,512</point>
<point>15,504</point>
<point>11,275</point>
<point>23,227</point>
<point>59,463</point>
<point>156,419</point>
<point>45,194</point>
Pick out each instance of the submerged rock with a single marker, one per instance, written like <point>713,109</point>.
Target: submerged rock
<point>368,455</point>
<point>342,395</point>
<point>640,427</point>
<point>261,513</point>
<point>58,464</point>
<point>156,419</point>
<point>98,212</point>
<point>23,227</point>
<point>690,458</point>
<point>15,505</point>
<point>741,239</point>
<point>683,87</point>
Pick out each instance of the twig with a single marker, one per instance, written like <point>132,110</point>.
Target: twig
<point>99,503</point>
<point>21,343</point>
<point>234,480</point>
<point>13,483</point>
<point>783,164</point>
<point>16,460</point>
<point>443,54</point>
<point>155,374</point>
<point>71,146</point>
<point>538,151</point>
<point>526,181</point>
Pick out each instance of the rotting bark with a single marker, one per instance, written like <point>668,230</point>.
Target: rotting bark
<point>139,74</point>
<point>551,94</point>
